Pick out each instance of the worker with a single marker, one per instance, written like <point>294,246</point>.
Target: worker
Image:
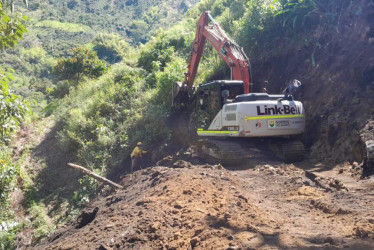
<point>292,87</point>
<point>136,156</point>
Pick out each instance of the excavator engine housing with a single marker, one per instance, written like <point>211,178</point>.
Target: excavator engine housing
<point>235,114</point>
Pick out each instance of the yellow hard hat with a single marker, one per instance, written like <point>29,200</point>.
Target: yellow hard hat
<point>139,143</point>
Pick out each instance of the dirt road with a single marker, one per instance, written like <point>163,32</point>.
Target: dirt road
<point>255,206</point>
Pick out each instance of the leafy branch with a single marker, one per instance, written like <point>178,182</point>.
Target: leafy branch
<point>12,108</point>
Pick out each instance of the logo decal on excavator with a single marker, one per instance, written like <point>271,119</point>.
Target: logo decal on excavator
<point>271,124</point>
<point>275,110</point>
<point>258,124</point>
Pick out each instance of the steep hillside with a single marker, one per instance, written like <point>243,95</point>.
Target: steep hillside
<point>55,27</point>
<point>337,70</point>
<point>69,23</point>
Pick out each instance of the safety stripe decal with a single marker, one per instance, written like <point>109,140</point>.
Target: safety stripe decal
<point>272,117</point>
<point>200,130</point>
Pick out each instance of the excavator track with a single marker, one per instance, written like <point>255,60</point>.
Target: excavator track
<point>292,151</point>
<point>232,151</point>
<point>369,156</point>
<point>235,150</point>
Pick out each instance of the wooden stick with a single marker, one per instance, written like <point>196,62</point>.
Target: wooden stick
<point>96,176</point>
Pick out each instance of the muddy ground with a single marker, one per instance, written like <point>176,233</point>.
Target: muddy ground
<point>186,203</point>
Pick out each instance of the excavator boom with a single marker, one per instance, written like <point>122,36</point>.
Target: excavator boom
<point>229,51</point>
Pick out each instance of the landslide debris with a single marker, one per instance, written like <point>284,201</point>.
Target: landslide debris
<point>205,206</point>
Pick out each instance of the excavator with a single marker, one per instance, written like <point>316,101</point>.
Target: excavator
<point>225,110</point>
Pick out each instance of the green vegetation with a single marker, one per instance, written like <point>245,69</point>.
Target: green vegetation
<point>112,48</point>
<point>55,28</point>
<point>8,174</point>
<point>39,222</point>
<point>12,28</point>
<point>68,27</point>
<point>102,119</point>
<point>84,62</point>
<point>107,92</point>
<point>12,110</point>
<point>12,113</point>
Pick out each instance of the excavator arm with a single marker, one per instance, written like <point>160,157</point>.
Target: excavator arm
<point>229,51</point>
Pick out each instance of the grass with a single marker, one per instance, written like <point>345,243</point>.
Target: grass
<point>67,27</point>
<point>10,223</point>
<point>40,221</point>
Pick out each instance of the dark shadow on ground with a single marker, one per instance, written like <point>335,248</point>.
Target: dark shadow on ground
<point>55,182</point>
<point>273,240</point>
<point>154,156</point>
<point>269,240</point>
<point>246,164</point>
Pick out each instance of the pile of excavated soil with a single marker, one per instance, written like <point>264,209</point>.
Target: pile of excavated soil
<point>187,206</point>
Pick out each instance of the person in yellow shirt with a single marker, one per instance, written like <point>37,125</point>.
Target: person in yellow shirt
<point>136,156</point>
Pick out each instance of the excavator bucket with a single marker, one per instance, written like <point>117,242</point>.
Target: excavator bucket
<point>180,93</point>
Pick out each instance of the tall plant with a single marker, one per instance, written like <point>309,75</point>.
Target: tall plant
<point>11,28</point>
<point>12,109</point>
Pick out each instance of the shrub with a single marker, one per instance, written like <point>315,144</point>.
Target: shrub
<point>173,72</point>
<point>8,178</point>
<point>158,51</point>
<point>8,174</point>
<point>98,114</point>
<point>39,222</point>
<point>139,30</point>
<point>83,63</point>
<point>164,44</point>
<point>111,47</point>
<point>12,29</point>
<point>12,109</point>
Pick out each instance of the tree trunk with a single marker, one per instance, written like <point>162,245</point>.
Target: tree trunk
<point>95,176</point>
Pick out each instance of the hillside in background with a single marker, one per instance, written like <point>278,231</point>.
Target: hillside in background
<point>69,23</point>
<point>55,27</point>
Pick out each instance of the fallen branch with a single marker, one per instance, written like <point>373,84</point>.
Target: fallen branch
<point>95,176</point>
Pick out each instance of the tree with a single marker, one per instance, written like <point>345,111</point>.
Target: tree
<point>159,49</point>
<point>84,62</point>
<point>11,29</point>
<point>139,30</point>
<point>111,47</point>
<point>12,109</point>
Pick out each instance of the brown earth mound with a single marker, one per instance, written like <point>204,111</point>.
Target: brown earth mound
<point>209,207</point>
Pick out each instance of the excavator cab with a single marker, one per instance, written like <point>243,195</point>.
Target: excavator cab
<point>212,96</point>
